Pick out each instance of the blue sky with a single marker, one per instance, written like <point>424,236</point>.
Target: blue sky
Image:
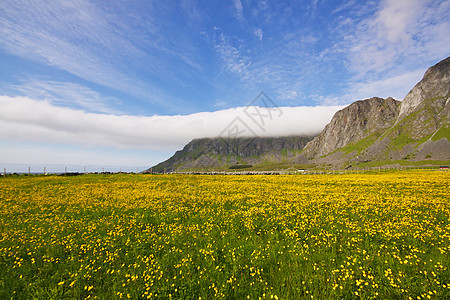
<point>147,76</point>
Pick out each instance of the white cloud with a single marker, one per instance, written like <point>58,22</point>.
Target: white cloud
<point>234,61</point>
<point>344,6</point>
<point>401,32</point>
<point>312,8</point>
<point>258,33</point>
<point>239,9</point>
<point>289,94</point>
<point>308,39</point>
<point>395,19</point>
<point>25,119</point>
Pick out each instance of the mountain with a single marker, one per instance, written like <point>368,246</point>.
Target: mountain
<point>384,130</point>
<point>373,131</point>
<point>220,153</point>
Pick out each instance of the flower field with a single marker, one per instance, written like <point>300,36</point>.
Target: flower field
<point>355,236</point>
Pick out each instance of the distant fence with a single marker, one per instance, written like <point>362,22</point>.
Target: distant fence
<point>66,171</point>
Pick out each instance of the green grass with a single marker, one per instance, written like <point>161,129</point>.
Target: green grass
<point>264,166</point>
<point>403,163</point>
<point>280,166</point>
<point>443,132</point>
<point>234,167</point>
<point>360,145</point>
<point>400,141</point>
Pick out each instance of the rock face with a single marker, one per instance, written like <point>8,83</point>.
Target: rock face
<point>426,108</point>
<point>435,84</point>
<point>355,122</point>
<point>223,153</point>
<point>385,129</point>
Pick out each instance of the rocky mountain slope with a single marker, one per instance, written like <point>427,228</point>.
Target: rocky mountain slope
<point>357,121</point>
<point>434,87</point>
<point>222,153</point>
<point>415,129</point>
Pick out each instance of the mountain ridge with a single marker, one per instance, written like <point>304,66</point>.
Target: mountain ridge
<point>225,153</point>
<point>373,130</point>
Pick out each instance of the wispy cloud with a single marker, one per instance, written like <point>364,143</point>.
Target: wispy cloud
<point>372,49</point>
<point>97,45</point>
<point>258,33</point>
<point>48,33</point>
<point>238,9</point>
<point>25,119</point>
<point>387,49</point>
<point>234,61</point>
<point>396,86</point>
<point>401,32</point>
<point>66,94</point>
<point>281,67</point>
<point>312,7</point>
<point>395,18</point>
<point>344,6</point>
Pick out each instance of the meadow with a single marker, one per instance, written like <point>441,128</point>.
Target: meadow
<point>383,235</point>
